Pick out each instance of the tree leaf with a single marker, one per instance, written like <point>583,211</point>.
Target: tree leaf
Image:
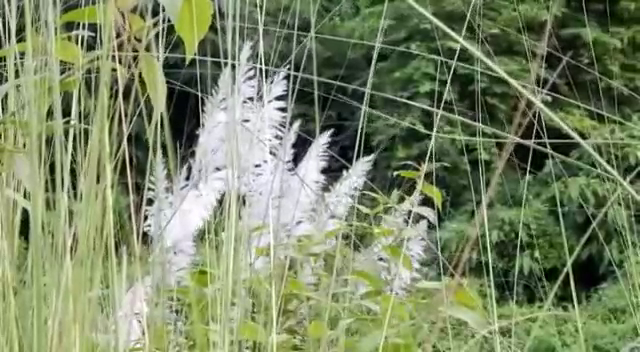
<point>68,51</point>
<point>65,50</point>
<point>317,329</point>
<point>433,192</point>
<point>192,24</point>
<point>19,47</point>
<point>87,14</point>
<point>154,80</point>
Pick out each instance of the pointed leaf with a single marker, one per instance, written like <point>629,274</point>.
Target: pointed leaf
<point>192,24</point>
<point>65,50</point>
<point>19,47</point>
<point>433,192</point>
<point>87,14</point>
<point>154,80</point>
<point>68,51</point>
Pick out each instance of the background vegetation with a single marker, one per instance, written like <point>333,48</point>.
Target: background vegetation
<point>543,232</point>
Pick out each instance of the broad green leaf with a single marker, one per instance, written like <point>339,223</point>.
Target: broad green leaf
<point>317,329</point>
<point>65,50</point>
<point>68,51</point>
<point>87,14</point>
<point>19,47</point>
<point>154,80</point>
<point>434,193</point>
<point>253,332</point>
<point>192,24</point>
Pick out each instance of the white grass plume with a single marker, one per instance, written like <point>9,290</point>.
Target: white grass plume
<point>245,145</point>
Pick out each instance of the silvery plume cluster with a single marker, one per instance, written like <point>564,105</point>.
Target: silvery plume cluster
<point>245,146</point>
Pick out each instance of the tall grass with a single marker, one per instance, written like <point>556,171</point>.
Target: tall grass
<point>62,164</point>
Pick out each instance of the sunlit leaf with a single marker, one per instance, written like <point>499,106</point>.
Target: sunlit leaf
<point>192,24</point>
<point>433,192</point>
<point>68,51</point>
<point>19,47</point>
<point>88,14</point>
<point>154,80</point>
<point>65,50</point>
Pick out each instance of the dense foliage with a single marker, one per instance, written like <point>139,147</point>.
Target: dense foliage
<point>432,101</point>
